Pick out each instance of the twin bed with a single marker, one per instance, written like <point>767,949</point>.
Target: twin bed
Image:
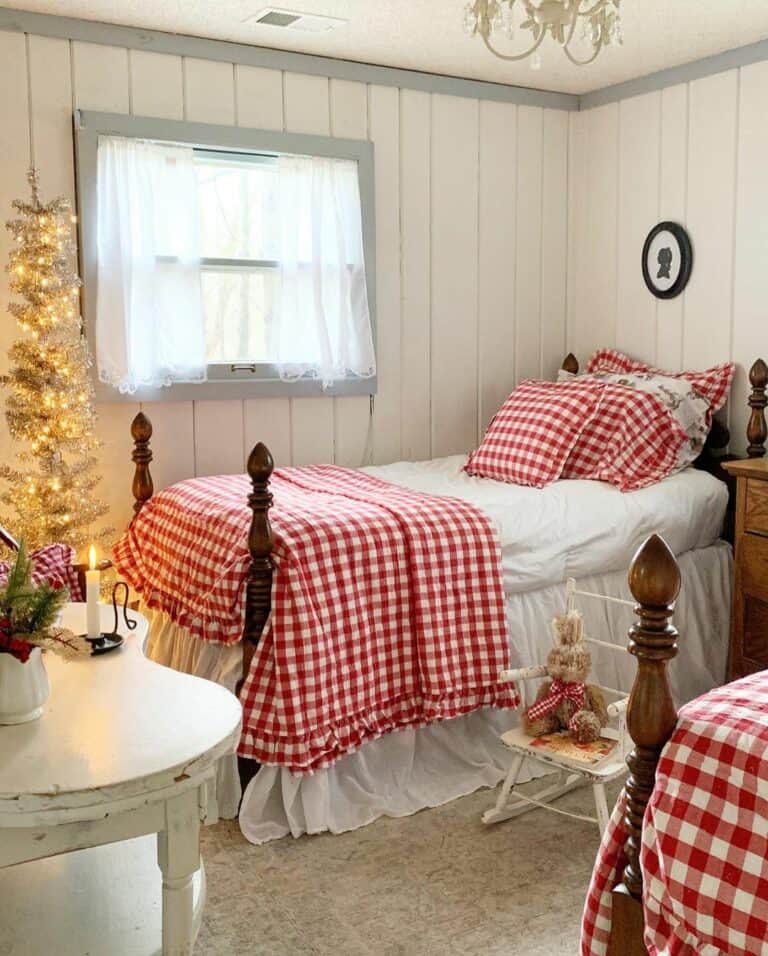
<point>587,530</point>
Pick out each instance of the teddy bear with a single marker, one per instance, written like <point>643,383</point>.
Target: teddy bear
<point>566,701</point>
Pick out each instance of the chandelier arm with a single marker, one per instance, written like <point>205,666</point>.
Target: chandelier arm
<point>572,30</point>
<point>598,47</point>
<point>592,10</point>
<point>511,57</point>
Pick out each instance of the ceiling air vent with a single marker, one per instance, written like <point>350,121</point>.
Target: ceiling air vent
<point>293,20</point>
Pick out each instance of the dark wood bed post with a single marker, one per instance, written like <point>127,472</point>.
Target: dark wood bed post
<point>757,433</point>
<point>258,592</point>
<point>654,580</point>
<point>258,588</point>
<point>143,489</point>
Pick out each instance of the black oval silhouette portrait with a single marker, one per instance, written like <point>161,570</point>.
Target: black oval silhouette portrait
<point>673,260</point>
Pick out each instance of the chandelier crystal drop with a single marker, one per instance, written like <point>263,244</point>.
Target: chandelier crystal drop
<point>598,23</point>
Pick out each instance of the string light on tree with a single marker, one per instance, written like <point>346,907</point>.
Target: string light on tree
<point>50,405</point>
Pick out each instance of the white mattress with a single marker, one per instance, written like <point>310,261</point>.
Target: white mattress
<point>574,528</point>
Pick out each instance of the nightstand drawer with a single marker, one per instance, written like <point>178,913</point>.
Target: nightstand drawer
<point>753,563</point>
<point>756,513</point>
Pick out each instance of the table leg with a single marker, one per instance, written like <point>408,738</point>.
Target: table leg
<point>178,855</point>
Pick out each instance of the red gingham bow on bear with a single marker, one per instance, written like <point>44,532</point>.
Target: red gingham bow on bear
<point>559,692</point>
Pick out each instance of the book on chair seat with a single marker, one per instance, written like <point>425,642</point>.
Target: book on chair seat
<point>564,746</point>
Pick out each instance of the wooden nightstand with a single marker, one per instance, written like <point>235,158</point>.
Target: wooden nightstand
<point>749,623</point>
<point>749,616</point>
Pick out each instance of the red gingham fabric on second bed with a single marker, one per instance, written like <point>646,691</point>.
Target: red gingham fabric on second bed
<point>53,565</point>
<point>704,851</point>
<point>387,604</point>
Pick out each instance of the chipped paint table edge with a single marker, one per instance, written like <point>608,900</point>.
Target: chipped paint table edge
<point>125,749</point>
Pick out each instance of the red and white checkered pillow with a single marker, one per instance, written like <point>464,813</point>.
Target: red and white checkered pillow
<point>713,383</point>
<point>54,565</point>
<point>635,440</point>
<point>531,436</point>
<point>631,442</point>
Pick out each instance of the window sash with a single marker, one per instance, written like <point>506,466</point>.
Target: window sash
<point>221,143</point>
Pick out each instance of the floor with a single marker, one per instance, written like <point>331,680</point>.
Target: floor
<point>435,883</point>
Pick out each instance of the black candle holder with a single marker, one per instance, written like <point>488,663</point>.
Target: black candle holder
<point>106,642</point>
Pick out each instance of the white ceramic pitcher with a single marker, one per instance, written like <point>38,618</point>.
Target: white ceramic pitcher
<point>24,688</point>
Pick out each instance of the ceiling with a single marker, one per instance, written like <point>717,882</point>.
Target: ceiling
<point>428,35</point>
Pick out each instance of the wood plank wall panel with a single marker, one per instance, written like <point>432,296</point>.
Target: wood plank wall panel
<point>384,132</point>
<point>415,274</point>
<point>599,261</point>
<point>496,257</point>
<point>638,201</point>
<point>50,102</point>
<point>673,205</point>
<point>554,241</point>
<point>527,261</point>
<point>15,153</point>
<point>711,216</point>
<point>454,274</point>
<point>750,302</point>
<point>578,314</point>
<point>157,84</point>
<point>14,159</point>
<point>446,306</point>
<point>259,97</point>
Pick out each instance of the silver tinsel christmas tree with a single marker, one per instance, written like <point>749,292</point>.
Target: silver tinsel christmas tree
<point>50,405</point>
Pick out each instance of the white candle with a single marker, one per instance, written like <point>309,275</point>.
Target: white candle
<point>92,589</point>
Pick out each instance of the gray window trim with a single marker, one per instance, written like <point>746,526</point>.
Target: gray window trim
<point>263,380</point>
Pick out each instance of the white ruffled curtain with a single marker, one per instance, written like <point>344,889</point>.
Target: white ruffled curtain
<point>150,326</point>
<point>149,315</point>
<point>321,324</point>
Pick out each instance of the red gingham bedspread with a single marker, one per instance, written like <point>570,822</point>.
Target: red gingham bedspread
<point>704,851</point>
<point>387,604</point>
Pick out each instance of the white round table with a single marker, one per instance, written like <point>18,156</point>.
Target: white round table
<point>124,748</point>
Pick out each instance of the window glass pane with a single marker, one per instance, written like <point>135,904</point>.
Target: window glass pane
<point>238,308</point>
<point>237,209</point>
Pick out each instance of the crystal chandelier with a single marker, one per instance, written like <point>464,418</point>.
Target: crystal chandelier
<point>599,21</point>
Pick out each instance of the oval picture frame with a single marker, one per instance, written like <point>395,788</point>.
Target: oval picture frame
<point>672,251</point>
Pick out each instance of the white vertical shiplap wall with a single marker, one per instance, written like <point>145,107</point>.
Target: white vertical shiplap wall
<point>471,214</point>
<point>693,153</point>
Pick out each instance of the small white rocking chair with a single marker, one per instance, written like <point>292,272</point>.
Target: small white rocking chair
<point>570,774</point>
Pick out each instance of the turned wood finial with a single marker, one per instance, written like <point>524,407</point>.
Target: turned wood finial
<point>143,488</point>
<point>259,581</point>
<point>756,429</point>
<point>570,364</point>
<point>654,580</point>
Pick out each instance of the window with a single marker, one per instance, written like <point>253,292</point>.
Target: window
<point>225,262</point>
<point>239,254</point>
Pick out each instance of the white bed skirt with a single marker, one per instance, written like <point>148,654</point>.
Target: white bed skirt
<point>403,772</point>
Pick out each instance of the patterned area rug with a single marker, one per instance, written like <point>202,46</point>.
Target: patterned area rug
<point>435,883</point>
